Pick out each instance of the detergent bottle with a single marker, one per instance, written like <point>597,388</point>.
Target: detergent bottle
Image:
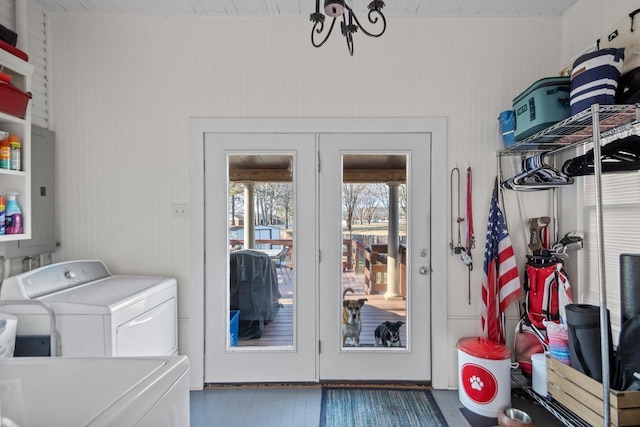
<point>3,206</point>
<point>5,154</point>
<point>13,215</point>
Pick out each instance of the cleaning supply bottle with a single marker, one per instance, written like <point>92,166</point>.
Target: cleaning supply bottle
<point>2,209</point>
<point>16,152</point>
<point>13,215</point>
<point>5,154</point>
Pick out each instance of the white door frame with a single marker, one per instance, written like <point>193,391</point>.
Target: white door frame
<point>412,360</point>
<point>198,127</point>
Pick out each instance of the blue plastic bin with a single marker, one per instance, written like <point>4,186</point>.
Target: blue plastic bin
<point>234,317</point>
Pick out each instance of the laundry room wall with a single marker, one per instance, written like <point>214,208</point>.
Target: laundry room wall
<point>582,25</point>
<point>123,88</point>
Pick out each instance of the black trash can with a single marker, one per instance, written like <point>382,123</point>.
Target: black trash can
<point>583,322</point>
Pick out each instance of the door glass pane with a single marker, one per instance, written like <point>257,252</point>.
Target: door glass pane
<point>261,233</point>
<point>374,243</point>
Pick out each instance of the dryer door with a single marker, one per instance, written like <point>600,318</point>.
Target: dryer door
<point>150,333</point>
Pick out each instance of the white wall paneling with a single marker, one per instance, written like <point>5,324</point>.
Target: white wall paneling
<point>582,25</point>
<point>124,87</point>
<point>7,14</point>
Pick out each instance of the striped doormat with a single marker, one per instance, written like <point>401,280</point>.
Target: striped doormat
<point>380,407</point>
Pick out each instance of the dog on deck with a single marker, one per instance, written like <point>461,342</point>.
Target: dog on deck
<point>351,322</point>
<point>387,334</point>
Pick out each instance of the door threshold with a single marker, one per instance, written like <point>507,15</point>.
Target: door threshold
<point>213,386</point>
<point>377,384</point>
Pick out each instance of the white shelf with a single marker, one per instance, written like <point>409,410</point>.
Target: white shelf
<point>12,172</point>
<point>12,237</point>
<point>577,130</point>
<point>15,64</point>
<point>7,118</point>
<point>12,180</point>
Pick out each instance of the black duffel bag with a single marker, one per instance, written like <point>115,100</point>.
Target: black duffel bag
<point>583,324</point>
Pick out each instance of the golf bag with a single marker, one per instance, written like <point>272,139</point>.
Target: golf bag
<point>528,340</point>
<point>547,290</point>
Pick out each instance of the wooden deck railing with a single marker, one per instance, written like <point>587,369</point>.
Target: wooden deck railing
<point>272,242</point>
<point>355,254</point>
<point>356,258</point>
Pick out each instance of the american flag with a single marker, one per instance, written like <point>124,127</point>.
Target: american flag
<point>500,282</point>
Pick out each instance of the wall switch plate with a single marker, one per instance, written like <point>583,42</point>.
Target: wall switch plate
<point>180,211</point>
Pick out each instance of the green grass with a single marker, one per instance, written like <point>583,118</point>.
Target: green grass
<point>374,229</point>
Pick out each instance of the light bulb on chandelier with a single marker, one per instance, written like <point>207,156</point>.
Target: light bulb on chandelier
<point>334,8</point>
<point>350,23</point>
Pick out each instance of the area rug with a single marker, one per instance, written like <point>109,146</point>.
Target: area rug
<point>380,407</point>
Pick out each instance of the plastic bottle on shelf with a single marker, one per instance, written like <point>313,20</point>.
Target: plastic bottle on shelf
<point>13,215</point>
<point>2,214</point>
<point>5,154</point>
<point>16,152</point>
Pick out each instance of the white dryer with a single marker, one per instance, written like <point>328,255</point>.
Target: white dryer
<point>94,313</point>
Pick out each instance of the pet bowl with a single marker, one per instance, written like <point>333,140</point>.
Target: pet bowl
<point>513,417</point>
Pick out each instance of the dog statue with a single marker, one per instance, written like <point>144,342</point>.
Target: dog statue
<point>387,334</point>
<point>351,321</point>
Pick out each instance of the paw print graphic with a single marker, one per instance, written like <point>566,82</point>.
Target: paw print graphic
<point>476,383</point>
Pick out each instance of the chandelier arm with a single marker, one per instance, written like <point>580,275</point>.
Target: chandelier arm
<point>318,27</point>
<point>373,20</point>
<point>347,30</point>
<point>349,38</point>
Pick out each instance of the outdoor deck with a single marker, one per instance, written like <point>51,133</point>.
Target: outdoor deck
<point>279,332</point>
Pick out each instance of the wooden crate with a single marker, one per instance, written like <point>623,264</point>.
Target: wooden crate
<point>583,396</point>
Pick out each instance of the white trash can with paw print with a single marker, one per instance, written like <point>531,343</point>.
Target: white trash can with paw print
<point>484,375</point>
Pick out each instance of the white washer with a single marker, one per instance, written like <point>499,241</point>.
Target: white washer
<point>94,312</point>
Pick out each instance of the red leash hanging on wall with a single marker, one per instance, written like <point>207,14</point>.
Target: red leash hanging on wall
<point>471,238</point>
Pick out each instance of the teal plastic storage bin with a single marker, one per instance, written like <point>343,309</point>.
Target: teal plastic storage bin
<point>544,103</point>
<point>234,318</point>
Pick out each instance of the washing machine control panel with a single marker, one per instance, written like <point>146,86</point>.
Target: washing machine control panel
<point>52,278</point>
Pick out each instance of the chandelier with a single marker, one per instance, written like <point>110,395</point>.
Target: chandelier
<point>350,23</point>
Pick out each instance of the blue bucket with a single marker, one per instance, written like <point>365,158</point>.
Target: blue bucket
<point>234,317</point>
<point>507,127</point>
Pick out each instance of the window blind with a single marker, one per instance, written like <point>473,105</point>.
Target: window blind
<point>38,57</point>
<point>621,232</point>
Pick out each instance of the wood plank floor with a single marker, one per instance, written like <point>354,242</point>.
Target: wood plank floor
<point>377,309</point>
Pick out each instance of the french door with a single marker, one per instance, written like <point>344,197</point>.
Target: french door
<point>392,251</point>
<point>242,174</point>
<point>281,250</point>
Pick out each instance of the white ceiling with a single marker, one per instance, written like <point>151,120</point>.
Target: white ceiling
<point>424,8</point>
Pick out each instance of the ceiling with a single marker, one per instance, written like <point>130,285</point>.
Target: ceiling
<point>421,8</point>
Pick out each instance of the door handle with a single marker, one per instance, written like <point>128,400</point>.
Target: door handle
<point>424,270</point>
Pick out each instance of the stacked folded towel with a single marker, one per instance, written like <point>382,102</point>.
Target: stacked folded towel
<point>558,337</point>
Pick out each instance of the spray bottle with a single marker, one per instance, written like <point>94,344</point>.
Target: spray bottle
<point>13,215</point>
<point>3,206</point>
